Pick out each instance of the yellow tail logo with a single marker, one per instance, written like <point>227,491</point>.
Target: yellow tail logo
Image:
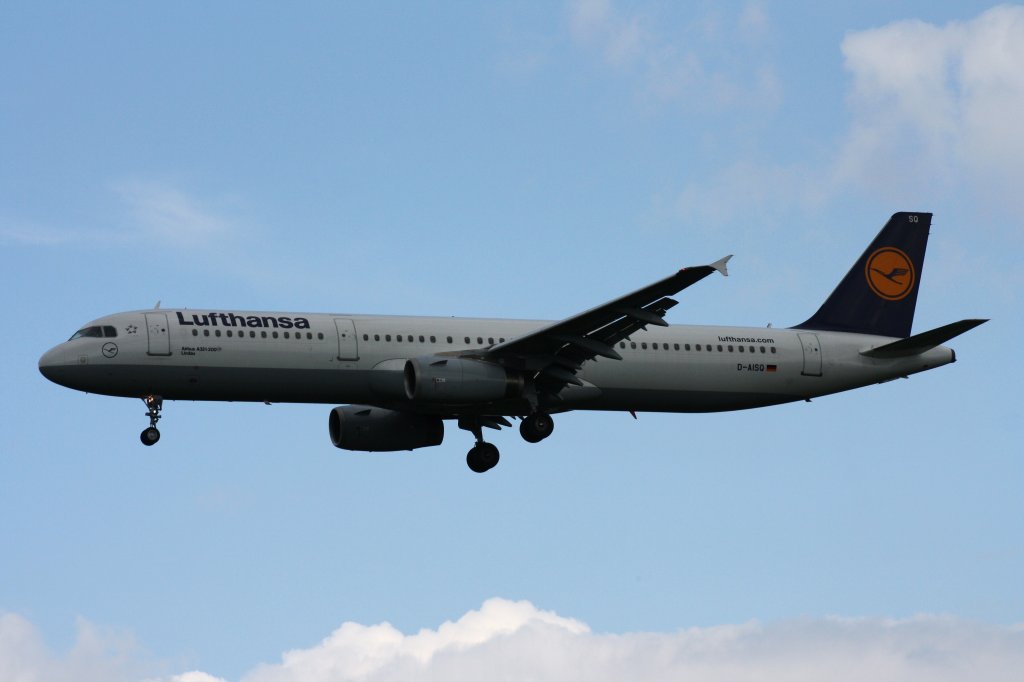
<point>890,273</point>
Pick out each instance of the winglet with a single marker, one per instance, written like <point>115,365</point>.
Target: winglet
<point>720,265</point>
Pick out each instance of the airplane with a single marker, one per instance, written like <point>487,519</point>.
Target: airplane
<point>398,379</point>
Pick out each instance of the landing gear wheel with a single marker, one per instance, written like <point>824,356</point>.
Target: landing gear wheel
<point>536,427</point>
<point>482,457</point>
<point>154,404</point>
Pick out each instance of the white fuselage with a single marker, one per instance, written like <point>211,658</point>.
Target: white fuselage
<point>335,359</point>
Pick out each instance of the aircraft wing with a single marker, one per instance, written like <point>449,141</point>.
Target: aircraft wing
<point>559,350</point>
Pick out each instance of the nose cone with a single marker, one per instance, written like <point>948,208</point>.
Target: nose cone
<point>51,362</point>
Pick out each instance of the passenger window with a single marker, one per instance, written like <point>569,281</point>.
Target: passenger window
<point>479,341</point>
<point>274,334</point>
<point>773,349</point>
<point>467,339</point>
<point>762,349</point>
<point>195,332</point>
<point>216,332</point>
<point>687,347</point>
<point>309,336</point>
<point>376,337</point>
<point>741,349</point>
<point>320,335</point>
<point>622,344</point>
<point>449,339</point>
<point>286,335</point>
<point>490,341</point>
<point>675,346</point>
<point>730,349</point>
<point>252,335</point>
<point>643,345</point>
<point>719,348</point>
<point>433,339</point>
<point>366,337</point>
<point>501,340</point>
<point>708,348</point>
<point>387,337</point>
<point>421,338</point>
<point>398,338</point>
<point>228,332</point>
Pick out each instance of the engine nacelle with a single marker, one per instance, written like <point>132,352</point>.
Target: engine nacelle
<point>374,429</point>
<point>440,379</point>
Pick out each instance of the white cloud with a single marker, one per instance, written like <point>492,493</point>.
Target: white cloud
<point>196,676</point>
<point>934,113</point>
<point>515,641</point>
<point>506,640</point>
<point>937,104</point>
<point>146,212</point>
<point>769,192</point>
<point>97,655</point>
<point>674,67</point>
<point>38,235</point>
<point>167,214</point>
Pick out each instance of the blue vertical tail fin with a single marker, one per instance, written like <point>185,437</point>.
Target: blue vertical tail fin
<point>879,293</point>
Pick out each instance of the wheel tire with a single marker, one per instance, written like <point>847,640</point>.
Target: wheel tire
<point>475,460</point>
<point>490,456</point>
<point>149,436</point>
<point>536,427</point>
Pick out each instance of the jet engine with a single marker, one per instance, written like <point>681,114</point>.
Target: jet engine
<point>374,429</point>
<point>440,379</point>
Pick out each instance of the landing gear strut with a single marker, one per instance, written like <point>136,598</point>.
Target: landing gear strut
<point>483,456</point>
<point>154,403</point>
<point>536,427</point>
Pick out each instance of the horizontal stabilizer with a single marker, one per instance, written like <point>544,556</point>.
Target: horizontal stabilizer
<point>925,341</point>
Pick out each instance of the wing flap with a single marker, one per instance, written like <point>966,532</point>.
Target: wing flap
<point>559,350</point>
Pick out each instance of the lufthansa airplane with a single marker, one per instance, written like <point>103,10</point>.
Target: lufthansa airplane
<point>400,378</point>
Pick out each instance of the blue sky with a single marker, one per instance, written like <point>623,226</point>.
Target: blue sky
<point>509,160</point>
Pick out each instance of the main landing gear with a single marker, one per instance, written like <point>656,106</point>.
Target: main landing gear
<point>484,456</point>
<point>154,403</point>
<point>536,427</point>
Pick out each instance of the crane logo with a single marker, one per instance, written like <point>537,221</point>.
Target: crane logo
<point>889,273</point>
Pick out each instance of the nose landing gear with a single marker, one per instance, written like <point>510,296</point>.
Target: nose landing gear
<point>151,435</point>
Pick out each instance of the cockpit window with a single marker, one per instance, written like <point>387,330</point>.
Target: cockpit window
<point>88,332</point>
<point>109,332</point>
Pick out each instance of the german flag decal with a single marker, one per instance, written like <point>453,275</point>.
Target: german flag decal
<point>771,368</point>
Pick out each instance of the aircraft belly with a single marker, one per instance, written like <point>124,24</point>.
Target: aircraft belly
<point>241,384</point>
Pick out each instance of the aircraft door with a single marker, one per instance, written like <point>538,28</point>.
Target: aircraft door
<point>348,345</point>
<point>159,337</point>
<point>812,355</point>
